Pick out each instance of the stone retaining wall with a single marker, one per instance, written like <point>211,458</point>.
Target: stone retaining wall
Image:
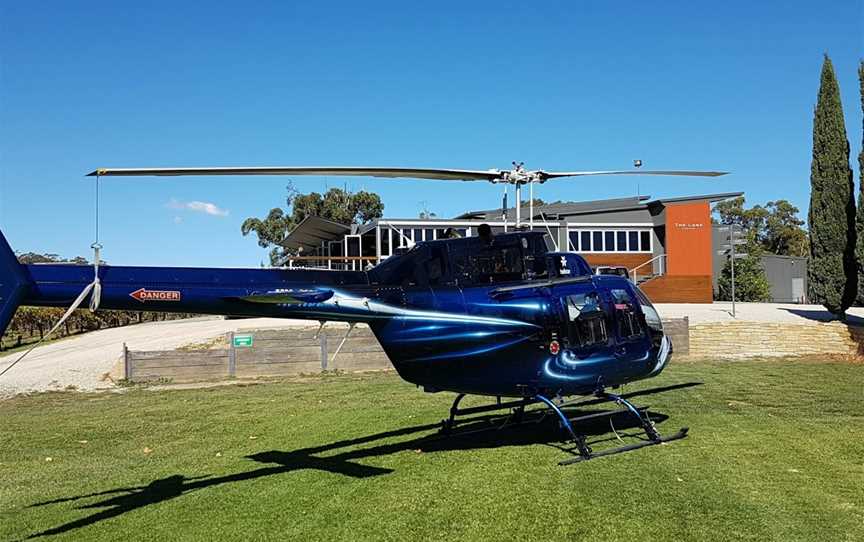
<point>677,329</point>
<point>746,339</point>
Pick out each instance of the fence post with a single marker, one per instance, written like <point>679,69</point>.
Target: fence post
<point>127,371</point>
<point>232,356</point>
<point>322,336</point>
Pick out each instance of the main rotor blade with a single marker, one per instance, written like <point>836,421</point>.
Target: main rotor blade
<point>389,172</point>
<point>556,174</point>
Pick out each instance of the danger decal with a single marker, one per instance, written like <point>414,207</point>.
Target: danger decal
<point>143,295</point>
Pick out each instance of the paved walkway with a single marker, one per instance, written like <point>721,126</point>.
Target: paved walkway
<point>721,311</point>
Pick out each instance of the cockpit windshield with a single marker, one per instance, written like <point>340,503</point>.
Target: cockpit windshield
<point>652,318</point>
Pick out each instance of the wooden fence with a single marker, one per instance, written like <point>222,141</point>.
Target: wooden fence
<point>286,352</point>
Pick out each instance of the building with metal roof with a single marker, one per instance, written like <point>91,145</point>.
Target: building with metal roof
<point>665,244</point>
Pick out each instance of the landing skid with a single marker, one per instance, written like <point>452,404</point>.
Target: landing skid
<point>582,446</point>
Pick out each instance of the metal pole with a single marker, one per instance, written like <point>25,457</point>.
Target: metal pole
<point>232,356</point>
<point>531,204</point>
<point>732,252</point>
<point>504,209</point>
<point>323,338</point>
<point>127,371</point>
<point>377,244</point>
<point>518,203</point>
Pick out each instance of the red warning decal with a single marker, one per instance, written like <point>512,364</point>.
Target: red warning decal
<point>143,294</point>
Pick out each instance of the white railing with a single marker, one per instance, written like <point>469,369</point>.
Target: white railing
<point>339,263</point>
<point>661,268</point>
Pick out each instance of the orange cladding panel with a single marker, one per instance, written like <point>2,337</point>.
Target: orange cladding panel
<point>688,238</point>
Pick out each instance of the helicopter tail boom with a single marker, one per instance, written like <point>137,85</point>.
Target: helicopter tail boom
<point>303,294</point>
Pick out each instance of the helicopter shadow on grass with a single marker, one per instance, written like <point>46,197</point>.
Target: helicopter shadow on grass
<point>481,432</point>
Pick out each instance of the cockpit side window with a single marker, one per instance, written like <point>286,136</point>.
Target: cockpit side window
<point>494,263</point>
<point>535,257</point>
<point>627,318</point>
<point>460,261</point>
<point>436,265</point>
<point>586,320</point>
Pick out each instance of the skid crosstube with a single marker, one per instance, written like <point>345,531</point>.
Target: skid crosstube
<point>626,448</point>
<point>581,442</point>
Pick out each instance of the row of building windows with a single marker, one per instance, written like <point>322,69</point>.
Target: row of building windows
<point>398,237</point>
<point>581,240</point>
<point>610,240</point>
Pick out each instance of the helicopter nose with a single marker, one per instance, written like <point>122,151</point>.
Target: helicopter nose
<point>663,355</point>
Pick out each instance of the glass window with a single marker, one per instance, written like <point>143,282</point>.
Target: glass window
<point>417,235</point>
<point>460,261</point>
<point>645,237</point>
<point>495,263</point>
<point>585,237</point>
<point>622,240</point>
<point>353,245</point>
<point>610,241</point>
<point>368,245</point>
<point>574,241</point>
<point>633,241</point>
<point>439,233</point>
<point>535,257</point>
<point>597,238</point>
<point>436,265</point>
<point>385,242</point>
<point>587,320</point>
<point>429,234</point>
<point>626,316</point>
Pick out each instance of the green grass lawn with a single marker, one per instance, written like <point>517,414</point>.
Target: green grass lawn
<point>776,452</point>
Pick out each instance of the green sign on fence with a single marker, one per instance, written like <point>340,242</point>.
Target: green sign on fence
<point>242,340</point>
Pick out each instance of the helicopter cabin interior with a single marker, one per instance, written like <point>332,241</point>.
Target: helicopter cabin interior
<point>664,244</point>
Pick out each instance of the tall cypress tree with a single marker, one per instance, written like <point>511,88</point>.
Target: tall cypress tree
<point>859,219</point>
<point>832,272</point>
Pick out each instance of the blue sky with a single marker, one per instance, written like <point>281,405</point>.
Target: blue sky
<point>559,85</point>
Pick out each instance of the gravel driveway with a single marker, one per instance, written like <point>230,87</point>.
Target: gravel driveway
<point>82,361</point>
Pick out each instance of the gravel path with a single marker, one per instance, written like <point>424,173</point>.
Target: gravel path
<point>83,360</point>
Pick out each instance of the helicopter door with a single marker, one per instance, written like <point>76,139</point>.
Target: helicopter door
<point>428,282</point>
<point>588,332</point>
<point>633,345</point>
<point>446,294</point>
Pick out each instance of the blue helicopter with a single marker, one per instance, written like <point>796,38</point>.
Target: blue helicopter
<point>502,315</point>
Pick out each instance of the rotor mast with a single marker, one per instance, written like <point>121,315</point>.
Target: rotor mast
<point>518,176</point>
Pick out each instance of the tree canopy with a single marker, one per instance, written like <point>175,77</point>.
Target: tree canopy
<point>775,227</point>
<point>35,257</point>
<point>751,284</point>
<point>337,204</point>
